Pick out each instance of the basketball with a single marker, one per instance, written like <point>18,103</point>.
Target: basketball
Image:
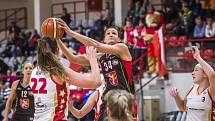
<point>51,29</point>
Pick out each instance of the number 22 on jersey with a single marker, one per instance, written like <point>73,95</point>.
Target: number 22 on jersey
<point>38,88</point>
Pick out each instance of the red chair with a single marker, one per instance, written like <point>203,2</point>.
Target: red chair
<point>182,41</point>
<point>208,53</point>
<point>173,41</point>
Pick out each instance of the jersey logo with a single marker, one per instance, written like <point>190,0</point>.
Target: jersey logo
<point>115,62</point>
<point>112,78</point>
<point>40,107</point>
<point>24,103</point>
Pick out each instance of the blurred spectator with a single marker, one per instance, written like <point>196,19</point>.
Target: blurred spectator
<point>3,66</point>
<point>137,12</point>
<point>14,65</point>
<point>32,41</point>
<point>130,13</point>
<point>9,77</point>
<point>128,35</point>
<point>14,29</point>
<point>186,24</point>
<point>76,44</point>
<point>99,26</point>
<point>66,16</point>
<point>20,39</point>
<point>199,31</point>
<point>177,5</point>
<point>4,94</point>
<point>108,15</point>
<point>210,28</point>
<point>17,52</point>
<point>1,48</point>
<point>188,20</point>
<point>197,9</point>
<point>140,47</point>
<point>144,7</point>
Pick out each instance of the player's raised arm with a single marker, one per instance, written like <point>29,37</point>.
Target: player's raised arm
<point>112,44</point>
<point>77,59</point>
<point>93,80</point>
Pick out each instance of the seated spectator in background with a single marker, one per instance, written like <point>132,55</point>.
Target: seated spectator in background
<point>187,22</point>
<point>107,15</point>
<point>14,66</point>
<point>197,8</point>
<point>130,13</point>
<point>10,78</point>
<point>32,41</point>
<point>119,105</point>
<point>14,29</point>
<point>17,52</point>
<point>4,94</point>
<point>199,30</point>
<point>210,28</point>
<point>76,44</point>
<point>99,27</point>
<point>3,66</point>
<point>66,16</point>
<point>137,12</point>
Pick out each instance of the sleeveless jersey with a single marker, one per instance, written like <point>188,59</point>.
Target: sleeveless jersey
<point>200,107</point>
<point>117,73</point>
<point>24,101</point>
<point>51,99</point>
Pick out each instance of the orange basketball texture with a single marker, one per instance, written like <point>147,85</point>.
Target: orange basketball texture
<point>50,28</point>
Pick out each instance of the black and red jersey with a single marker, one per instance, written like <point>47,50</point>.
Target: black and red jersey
<point>117,73</point>
<point>24,101</point>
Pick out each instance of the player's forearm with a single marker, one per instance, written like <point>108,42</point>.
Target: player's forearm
<point>70,56</point>
<point>77,113</point>
<point>180,103</point>
<point>7,108</point>
<point>84,39</point>
<point>95,73</point>
<point>206,67</point>
<point>66,51</point>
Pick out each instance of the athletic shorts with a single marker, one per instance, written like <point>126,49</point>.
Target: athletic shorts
<point>22,118</point>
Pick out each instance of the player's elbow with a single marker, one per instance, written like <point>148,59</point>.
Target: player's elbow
<point>80,115</point>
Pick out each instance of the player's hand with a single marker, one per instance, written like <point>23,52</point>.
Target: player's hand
<point>91,53</point>
<point>174,92</point>
<point>63,25</point>
<point>196,53</point>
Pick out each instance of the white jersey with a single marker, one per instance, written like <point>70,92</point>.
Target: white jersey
<point>200,107</point>
<point>51,99</point>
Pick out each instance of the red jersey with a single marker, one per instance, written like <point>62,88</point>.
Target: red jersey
<point>138,34</point>
<point>128,35</point>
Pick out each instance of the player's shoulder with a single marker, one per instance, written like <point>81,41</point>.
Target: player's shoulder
<point>15,84</point>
